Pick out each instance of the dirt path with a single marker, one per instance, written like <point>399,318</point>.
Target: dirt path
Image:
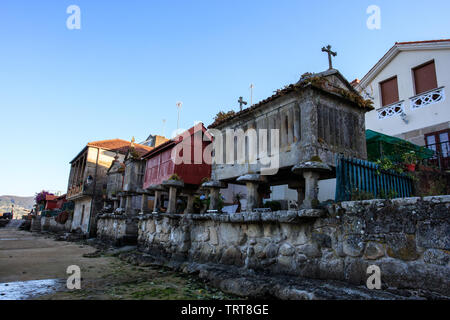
<point>26,256</point>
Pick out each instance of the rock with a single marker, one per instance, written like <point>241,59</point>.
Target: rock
<point>310,250</point>
<point>231,255</point>
<point>287,250</point>
<point>353,245</point>
<point>271,250</point>
<point>401,246</point>
<point>433,234</point>
<point>436,256</point>
<point>373,251</point>
<point>322,240</point>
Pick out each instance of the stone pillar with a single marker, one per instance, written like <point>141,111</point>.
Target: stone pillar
<point>173,185</point>
<point>128,203</point>
<point>144,203</point>
<point>116,204</point>
<point>253,197</point>
<point>311,172</point>
<point>122,202</point>
<point>190,203</point>
<point>214,199</point>
<point>252,181</point>
<point>214,193</point>
<point>311,189</point>
<point>172,206</point>
<point>156,202</point>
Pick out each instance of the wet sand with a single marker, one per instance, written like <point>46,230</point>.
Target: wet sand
<point>33,266</point>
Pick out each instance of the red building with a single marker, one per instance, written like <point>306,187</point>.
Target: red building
<point>169,158</point>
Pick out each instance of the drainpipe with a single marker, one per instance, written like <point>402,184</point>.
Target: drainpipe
<point>94,193</point>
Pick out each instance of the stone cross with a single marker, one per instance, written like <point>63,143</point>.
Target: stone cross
<point>327,49</point>
<point>241,102</point>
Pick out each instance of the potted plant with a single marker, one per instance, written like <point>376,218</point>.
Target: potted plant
<point>410,160</point>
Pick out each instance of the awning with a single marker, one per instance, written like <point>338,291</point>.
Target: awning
<point>381,145</point>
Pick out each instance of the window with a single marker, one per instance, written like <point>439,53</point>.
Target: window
<point>439,142</point>
<point>425,77</point>
<point>389,91</point>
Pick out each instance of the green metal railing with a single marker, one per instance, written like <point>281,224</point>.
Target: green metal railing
<point>355,176</point>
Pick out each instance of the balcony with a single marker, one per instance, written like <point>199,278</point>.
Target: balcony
<point>391,110</point>
<point>80,190</point>
<point>427,98</point>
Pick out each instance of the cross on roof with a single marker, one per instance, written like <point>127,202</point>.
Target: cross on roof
<point>327,49</point>
<point>241,102</point>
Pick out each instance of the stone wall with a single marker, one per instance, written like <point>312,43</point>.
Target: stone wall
<point>49,224</point>
<point>117,229</point>
<point>409,239</point>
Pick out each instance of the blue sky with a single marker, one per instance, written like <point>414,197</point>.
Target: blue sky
<point>131,61</point>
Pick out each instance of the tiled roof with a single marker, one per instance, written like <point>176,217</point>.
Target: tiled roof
<point>120,146</point>
<point>425,41</point>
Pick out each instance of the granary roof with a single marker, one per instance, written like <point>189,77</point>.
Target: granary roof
<point>315,80</point>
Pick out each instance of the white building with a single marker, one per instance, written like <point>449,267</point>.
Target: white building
<point>409,86</point>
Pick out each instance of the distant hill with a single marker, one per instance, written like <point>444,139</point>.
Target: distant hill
<point>20,202</point>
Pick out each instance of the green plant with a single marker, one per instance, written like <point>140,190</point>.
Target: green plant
<point>315,159</point>
<point>410,157</point>
<point>361,195</point>
<point>175,177</point>
<point>386,164</point>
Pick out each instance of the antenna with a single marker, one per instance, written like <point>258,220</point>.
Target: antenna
<point>179,105</point>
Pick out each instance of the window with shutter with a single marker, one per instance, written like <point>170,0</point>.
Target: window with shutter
<point>425,77</point>
<point>389,91</point>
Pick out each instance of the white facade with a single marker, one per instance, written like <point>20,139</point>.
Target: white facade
<point>407,118</point>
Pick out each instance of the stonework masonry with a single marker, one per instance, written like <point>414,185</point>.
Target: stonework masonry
<point>409,239</point>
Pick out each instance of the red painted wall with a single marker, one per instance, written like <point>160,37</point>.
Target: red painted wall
<point>161,166</point>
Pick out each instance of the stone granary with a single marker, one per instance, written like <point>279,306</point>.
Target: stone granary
<point>177,167</point>
<point>88,178</point>
<point>307,125</point>
<point>125,179</point>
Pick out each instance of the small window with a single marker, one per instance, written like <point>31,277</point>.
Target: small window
<point>425,77</point>
<point>389,91</point>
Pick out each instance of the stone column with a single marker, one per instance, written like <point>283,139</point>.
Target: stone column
<point>311,189</point>
<point>214,193</point>
<point>173,185</point>
<point>311,171</point>
<point>116,204</point>
<point>190,203</point>
<point>122,202</point>
<point>156,202</point>
<point>144,203</point>
<point>299,186</point>
<point>128,203</point>
<point>253,198</point>
<point>252,182</point>
<point>172,206</point>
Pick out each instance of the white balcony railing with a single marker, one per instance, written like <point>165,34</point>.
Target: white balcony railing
<point>391,110</point>
<point>427,98</point>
